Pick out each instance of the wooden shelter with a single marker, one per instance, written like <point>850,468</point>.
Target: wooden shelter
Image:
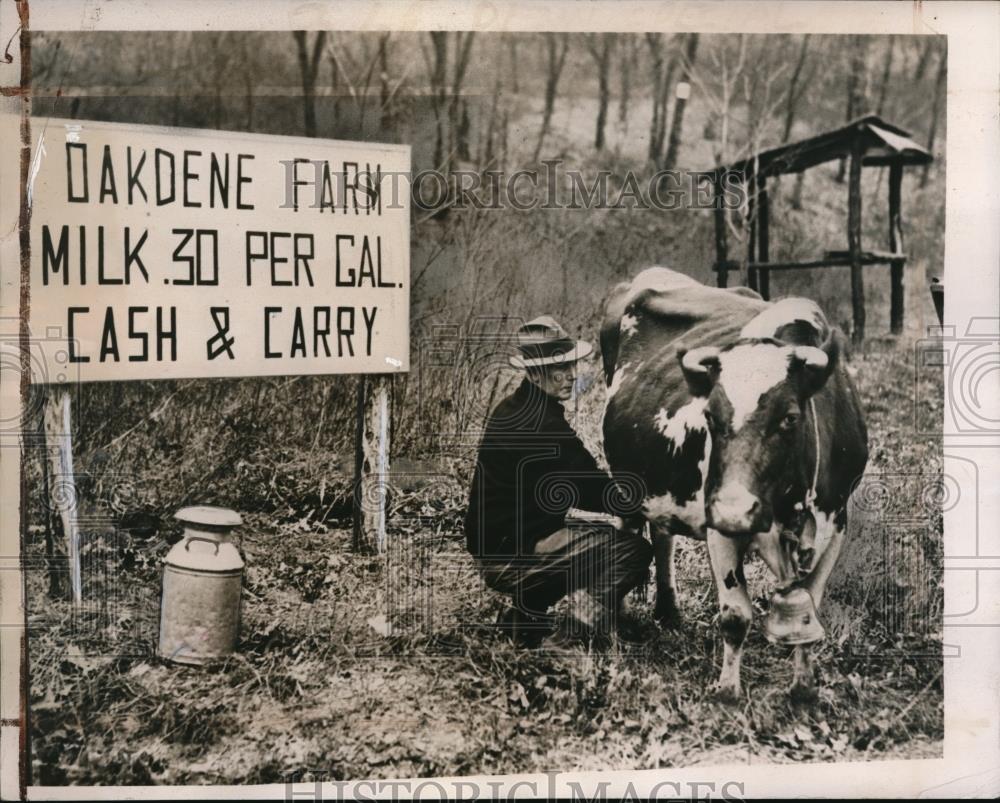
<point>866,142</point>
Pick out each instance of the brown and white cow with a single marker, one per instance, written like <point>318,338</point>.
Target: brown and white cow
<point>741,419</point>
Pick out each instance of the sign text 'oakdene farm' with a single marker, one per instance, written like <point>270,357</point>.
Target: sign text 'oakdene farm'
<point>168,253</point>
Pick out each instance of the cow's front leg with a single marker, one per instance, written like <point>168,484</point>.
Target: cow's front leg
<point>667,612</point>
<point>803,675</point>
<point>735,613</point>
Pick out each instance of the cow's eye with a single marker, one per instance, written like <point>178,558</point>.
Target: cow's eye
<point>790,420</point>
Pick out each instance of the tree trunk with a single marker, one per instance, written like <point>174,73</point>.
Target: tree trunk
<point>925,57</point>
<point>625,93</point>
<point>557,47</point>
<point>676,125</point>
<point>855,88</point>
<point>795,90</point>
<point>665,86</point>
<point>439,73</point>
<point>600,47</point>
<point>457,138</point>
<point>504,130</point>
<point>335,91</point>
<point>308,68</point>
<point>249,75</point>
<point>883,87</point>
<point>515,84</point>
<point>939,92</point>
<point>655,43</point>
<point>464,127</point>
<point>386,118</point>
<point>491,127</point>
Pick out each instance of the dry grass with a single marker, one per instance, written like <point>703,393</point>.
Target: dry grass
<point>320,683</point>
<point>316,683</point>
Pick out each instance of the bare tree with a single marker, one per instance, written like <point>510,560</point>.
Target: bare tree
<point>249,56</point>
<point>511,40</point>
<point>335,83</point>
<point>662,74</point>
<point>219,60</point>
<point>504,134</point>
<point>677,123</point>
<point>437,63</point>
<point>308,68</point>
<point>557,45</point>
<point>181,45</point>
<point>797,84</point>
<point>445,98</point>
<point>458,116</point>
<point>386,110</point>
<point>488,153</point>
<point>354,74</point>
<point>925,56</point>
<point>744,87</point>
<point>856,86</point>
<point>939,92</point>
<point>628,63</point>
<point>762,97</point>
<point>883,87</point>
<point>719,90</point>
<point>601,46</point>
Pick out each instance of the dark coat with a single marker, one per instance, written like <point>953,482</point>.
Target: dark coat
<point>532,468</point>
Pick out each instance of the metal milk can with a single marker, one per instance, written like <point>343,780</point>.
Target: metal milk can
<point>202,584</point>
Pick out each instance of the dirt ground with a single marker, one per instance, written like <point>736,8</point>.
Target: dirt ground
<point>389,666</point>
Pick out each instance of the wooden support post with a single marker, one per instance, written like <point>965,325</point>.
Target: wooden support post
<point>55,539</point>
<point>371,462</point>
<point>896,247</point>
<point>721,249</point>
<point>61,483</point>
<point>752,239</point>
<point>763,231</point>
<point>854,242</point>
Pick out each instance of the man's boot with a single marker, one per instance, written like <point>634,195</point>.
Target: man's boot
<point>625,624</point>
<point>524,630</point>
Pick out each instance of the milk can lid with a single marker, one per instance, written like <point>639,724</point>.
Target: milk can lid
<point>209,516</point>
<point>204,555</point>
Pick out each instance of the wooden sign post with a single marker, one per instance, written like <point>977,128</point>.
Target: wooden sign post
<point>60,490</point>
<point>371,462</point>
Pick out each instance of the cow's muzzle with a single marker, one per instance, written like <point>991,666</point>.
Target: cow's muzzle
<point>798,544</point>
<point>736,511</point>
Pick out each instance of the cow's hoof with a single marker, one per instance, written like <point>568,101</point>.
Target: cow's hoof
<point>803,693</point>
<point>726,695</point>
<point>668,615</point>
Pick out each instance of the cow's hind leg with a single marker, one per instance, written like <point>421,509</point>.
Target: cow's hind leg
<point>803,687</point>
<point>667,612</point>
<point>735,613</point>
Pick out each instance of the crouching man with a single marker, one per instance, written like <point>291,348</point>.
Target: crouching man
<point>531,469</point>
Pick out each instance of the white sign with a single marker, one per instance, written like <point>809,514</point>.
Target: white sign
<point>165,253</point>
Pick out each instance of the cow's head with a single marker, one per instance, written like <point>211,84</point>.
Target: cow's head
<point>756,393</point>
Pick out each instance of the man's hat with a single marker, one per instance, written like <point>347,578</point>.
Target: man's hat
<point>544,342</point>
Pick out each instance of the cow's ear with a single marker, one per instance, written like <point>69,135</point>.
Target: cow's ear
<point>701,368</point>
<point>809,367</point>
